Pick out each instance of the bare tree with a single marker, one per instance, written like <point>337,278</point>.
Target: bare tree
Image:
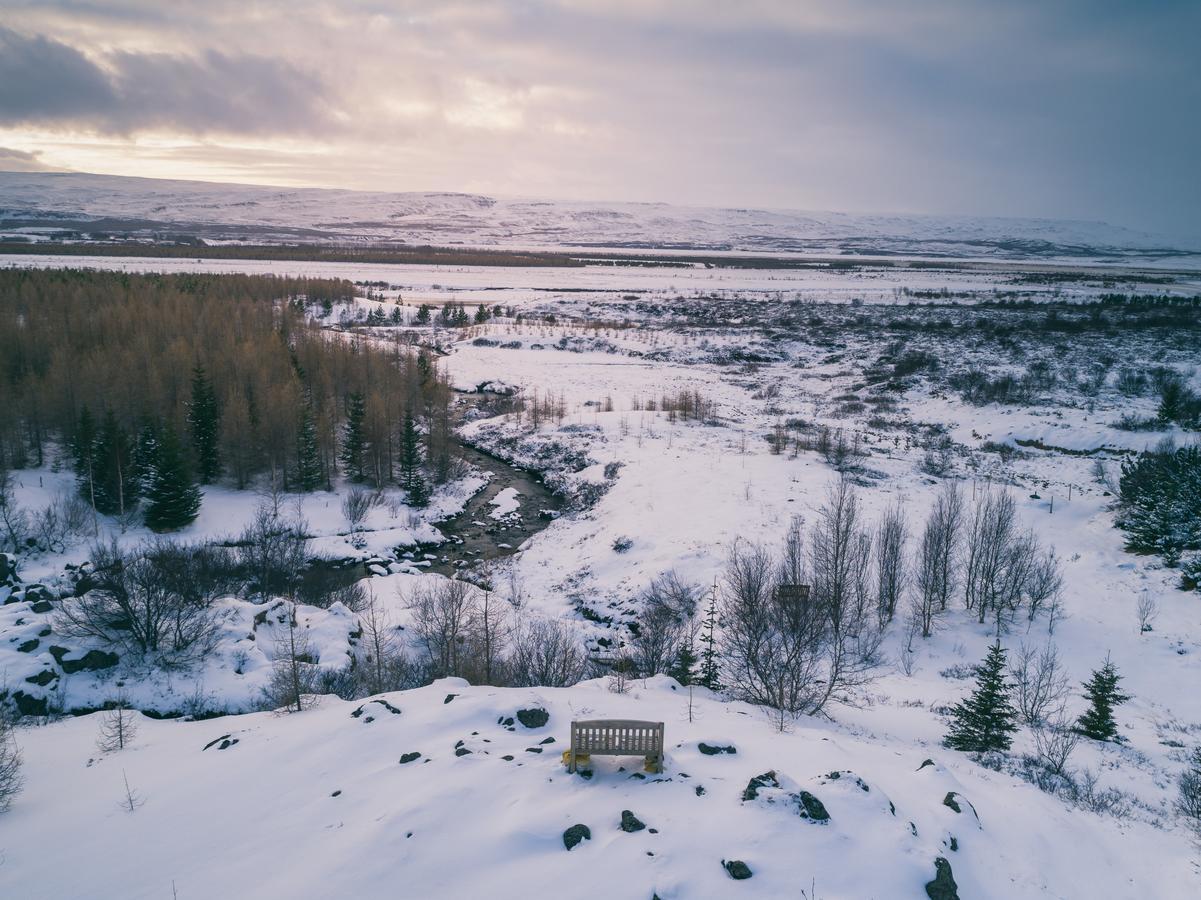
<point>356,506</point>
<point>1054,742</point>
<point>274,549</point>
<point>294,673</point>
<point>385,666</point>
<point>667,621</point>
<point>11,780</point>
<point>1040,682</point>
<point>935,569</point>
<point>891,571</point>
<point>153,600</point>
<point>118,726</point>
<point>489,636</point>
<point>547,653</point>
<point>1148,612</point>
<point>1188,801</point>
<point>443,617</point>
<point>14,521</point>
<point>792,649</point>
<point>132,800</point>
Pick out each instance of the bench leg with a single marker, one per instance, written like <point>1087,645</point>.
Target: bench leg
<point>571,763</point>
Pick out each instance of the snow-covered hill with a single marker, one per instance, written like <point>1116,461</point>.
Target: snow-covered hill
<point>440,793</point>
<point>30,202</point>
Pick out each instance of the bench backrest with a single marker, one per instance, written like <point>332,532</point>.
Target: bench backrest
<point>617,737</point>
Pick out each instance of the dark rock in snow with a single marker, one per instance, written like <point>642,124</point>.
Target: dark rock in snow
<point>462,751</point>
<point>925,762</point>
<point>42,606</point>
<point>575,834</point>
<point>713,750</point>
<point>630,822</point>
<point>92,661</point>
<point>943,887</point>
<point>506,758</point>
<point>812,808</point>
<point>449,697</point>
<point>406,758</point>
<point>28,705</point>
<point>28,646</point>
<point>533,718</point>
<point>950,802</point>
<point>549,740</point>
<point>767,779</point>
<point>43,678</point>
<point>533,749</point>
<point>700,790</point>
<point>737,869</point>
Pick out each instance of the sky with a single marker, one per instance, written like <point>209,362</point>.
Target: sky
<point>1067,109</point>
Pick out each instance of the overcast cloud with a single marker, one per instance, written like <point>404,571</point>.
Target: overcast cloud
<point>1071,109</point>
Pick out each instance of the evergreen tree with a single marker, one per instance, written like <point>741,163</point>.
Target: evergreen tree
<point>204,423</point>
<point>461,319</point>
<point>423,314</point>
<point>83,456</point>
<point>986,719</point>
<point>481,314</point>
<point>116,482</point>
<point>354,438</point>
<point>683,666</point>
<point>1161,502</point>
<point>309,471</point>
<point>1103,697</point>
<point>173,500</point>
<point>411,478</point>
<point>710,672</point>
<point>145,457</point>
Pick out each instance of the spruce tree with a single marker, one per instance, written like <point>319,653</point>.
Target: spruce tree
<point>710,671</point>
<point>1103,696</point>
<point>173,500</point>
<point>423,314</point>
<point>354,438</point>
<point>309,474</point>
<point>986,719</point>
<point>410,476</point>
<point>204,423</point>
<point>481,314</point>
<point>145,457</point>
<point>683,665</point>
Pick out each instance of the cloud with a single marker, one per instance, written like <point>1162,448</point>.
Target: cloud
<point>1069,109</point>
<point>14,160</point>
<point>46,82</point>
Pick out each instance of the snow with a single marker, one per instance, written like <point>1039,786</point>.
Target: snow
<point>505,503</point>
<point>261,818</point>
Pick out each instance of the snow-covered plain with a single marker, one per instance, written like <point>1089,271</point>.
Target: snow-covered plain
<point>39,203</point>
<point>261,818</point>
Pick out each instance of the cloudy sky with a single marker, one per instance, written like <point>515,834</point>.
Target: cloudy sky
<point>1058,108</point>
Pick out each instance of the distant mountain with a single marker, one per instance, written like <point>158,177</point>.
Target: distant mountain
<point>76,204</point>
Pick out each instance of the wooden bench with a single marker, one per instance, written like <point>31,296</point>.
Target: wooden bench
<point>616,737</point>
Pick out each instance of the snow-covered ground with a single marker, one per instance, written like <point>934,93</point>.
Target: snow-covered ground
<point>318,805</point>
<point>258,213</point>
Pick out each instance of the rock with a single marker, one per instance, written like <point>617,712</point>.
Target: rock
<point>336,794</point>
<point>943,887</point>
<point>533,749</point>
<point>713,750</point>
<point>549,740</point>
<point>767,779</point>
<point>43,678</point>
<point>506,758</point>
<point>462,751</point>
<point>28,705</point>
<point>42,606</point>
<point>812,808</point>
<point>925,762</point>
<point>92,661</point>
<point>700,790</point>
<point>28,646</point>
<point>449,697</point>
<point>737,869</point>
<point>575,834</point>
<point>533,718</point>
<point>950,802</point>
<point>630,822</point>
<point>406,758</point>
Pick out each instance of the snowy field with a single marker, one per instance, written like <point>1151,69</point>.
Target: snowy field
<point>317,804</point>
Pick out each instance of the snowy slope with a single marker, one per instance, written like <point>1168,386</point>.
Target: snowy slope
<point>319,805</point>
<point>248,212</point>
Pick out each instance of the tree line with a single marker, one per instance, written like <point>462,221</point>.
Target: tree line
<point>147,383</point>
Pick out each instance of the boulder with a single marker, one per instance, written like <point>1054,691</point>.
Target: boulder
<point>42,678</point>
<point>406,758</point>
<point>575,834</point>
<point>630,822</point>
<point>950,802</point>
<point>533,718</point>
<point>767,779</point>
<point>28,705</point>
<point>943,886</point>
<point>714,750</point>
<point>92,661</point>
<point>737,869</point>
<point>812,808</point>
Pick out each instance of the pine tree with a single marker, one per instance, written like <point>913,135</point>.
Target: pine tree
<point>410,476</point>
<point>354,438</point>
<point>1103,696</point>
<point>986,719</point>
<point>204,423</point>
<point>481,314</point>
<point>145,457</point>
<point>423,314</point>
<point>710,672</point>
<point>173,500</point>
